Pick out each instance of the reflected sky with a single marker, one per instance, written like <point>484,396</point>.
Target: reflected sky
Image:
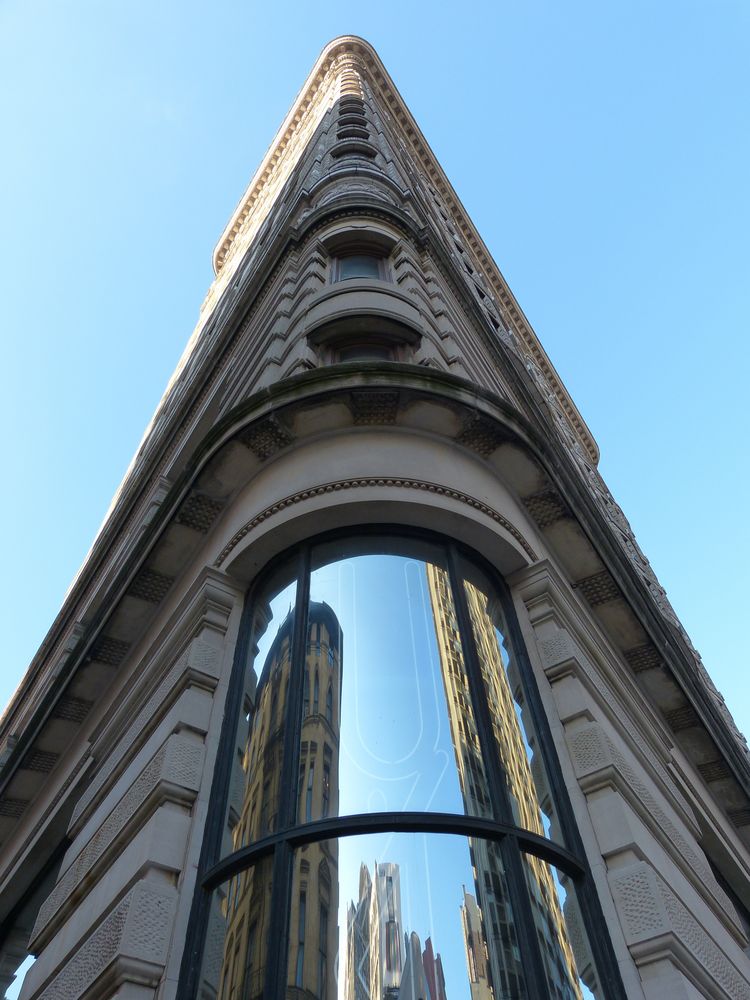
<point>396,747</point>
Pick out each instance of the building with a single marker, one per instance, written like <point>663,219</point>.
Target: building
<point>362,380</point>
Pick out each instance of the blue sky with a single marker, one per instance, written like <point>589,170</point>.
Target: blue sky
<point>601,149</point>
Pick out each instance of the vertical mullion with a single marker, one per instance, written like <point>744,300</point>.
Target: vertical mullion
<point>281,888</point>
<point>523,917</point>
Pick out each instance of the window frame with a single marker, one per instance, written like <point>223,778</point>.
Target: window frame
<point>289,833</point>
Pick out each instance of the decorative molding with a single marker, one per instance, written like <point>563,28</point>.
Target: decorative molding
<point>651,914</point>
<point>547,507</point>
<point>740,817</point>
<point>644,657</point>
<point>599,588</point>
<point>201,658</point>
<point>266,437</point>
<point>353,484</point>
<point>12,807</point>
<point>714,770</point>
<point>39,760</point>
<point>597,761</point>
<point>199,512</point>
<point>109,650</point>
<point>174,770</point>
<point>83,761</point>
<point>138,929</point>
<point>481,435</point>
<point>72,709</point>
<point>378,407</point>
<point>150,586</point>
<point>681,718</point>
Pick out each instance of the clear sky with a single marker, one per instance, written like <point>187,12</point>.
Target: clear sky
<point>601,148</point>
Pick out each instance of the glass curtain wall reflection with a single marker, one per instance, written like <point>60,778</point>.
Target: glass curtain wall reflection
<point>362,701</point>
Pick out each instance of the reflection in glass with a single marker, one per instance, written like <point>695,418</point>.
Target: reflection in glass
<point>566,957</point>
<point>388,727</point>
<point>397,704</point>
<point>236,953</point>
<point>415,916</point>
<point>313,922</point>
<point>257,762</point>
<point>515,739</point>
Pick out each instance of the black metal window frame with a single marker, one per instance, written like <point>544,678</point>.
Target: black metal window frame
<point>514,841</point>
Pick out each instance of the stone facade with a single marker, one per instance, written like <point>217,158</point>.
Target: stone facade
<point>452,419</point>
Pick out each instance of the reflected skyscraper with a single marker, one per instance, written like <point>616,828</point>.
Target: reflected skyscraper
<point>384,961</point>
<point>489,913</point>
<point>313,930</point>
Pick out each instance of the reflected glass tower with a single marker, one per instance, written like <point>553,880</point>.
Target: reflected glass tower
<point>384,961</point>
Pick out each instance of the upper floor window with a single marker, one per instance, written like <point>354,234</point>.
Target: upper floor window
<point>358,265</point>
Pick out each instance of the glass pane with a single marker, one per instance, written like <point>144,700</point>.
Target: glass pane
<point>399,917</point>
<point>387,720</point>
<point>515,737</point>
<point>568,964</point>
<point>257,760</point>
<point>365,352</point>
<point>236,950</point>
<point>359,266</point>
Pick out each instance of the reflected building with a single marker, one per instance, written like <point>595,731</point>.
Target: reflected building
<point>476,953</point>
<point>487,916</point>
<point>383,962</point>
<point>313,927</point>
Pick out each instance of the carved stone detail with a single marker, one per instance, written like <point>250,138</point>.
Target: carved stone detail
<point>480,435</point>
<point>12,807</point>
<point>374,407</point>
<point>714,770</point>
<point>650,910</point>
<point>547,507</point>
<point>150,586</point>
<point>200,657</point>
<point>556,649</point>
<point>353,484</point>
<point>266,437</point>
<point>199,512</point>
<point>39,760</point>
<point>644,657</point>
<point>178,762</point>
<point>740,817</point>
<point>138,929</point>
<point>682,718</point>
<point>592,750</point>
<point>108,650</point>
<point>599,588</point>
<point>72,709</point>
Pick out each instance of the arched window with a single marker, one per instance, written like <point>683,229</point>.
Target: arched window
<point>442,821</point>
<point>316,693</point>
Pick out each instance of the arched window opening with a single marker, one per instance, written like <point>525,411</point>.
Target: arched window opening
<point>425,817</point>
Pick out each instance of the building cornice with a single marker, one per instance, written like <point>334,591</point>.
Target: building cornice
<point>322,87</point>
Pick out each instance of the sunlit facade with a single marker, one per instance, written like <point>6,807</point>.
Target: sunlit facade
<point>365,690</point>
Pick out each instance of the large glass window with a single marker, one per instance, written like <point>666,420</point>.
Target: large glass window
<point>389,827</point>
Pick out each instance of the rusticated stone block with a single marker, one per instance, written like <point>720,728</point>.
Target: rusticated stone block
<point>136,932</point>
<point>649,910</point>
<point>178,763</point>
